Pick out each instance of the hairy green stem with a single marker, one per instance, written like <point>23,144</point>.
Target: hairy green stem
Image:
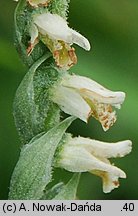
<point>37,118</point>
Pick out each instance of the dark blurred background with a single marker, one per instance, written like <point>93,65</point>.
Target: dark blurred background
<point>112,28</point>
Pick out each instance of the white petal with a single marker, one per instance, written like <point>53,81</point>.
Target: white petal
<point>103,149</point>
<point>53,25</point>
<point>80,40</point>
<point>77,159</point>
<point>70,102</point>
<point>93,90</point>
<point>56,27</point>
<point>33,33</point>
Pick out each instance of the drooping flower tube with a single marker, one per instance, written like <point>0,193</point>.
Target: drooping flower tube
<point>83,154</point>
<point>53,31</point>
<point>82,97</point>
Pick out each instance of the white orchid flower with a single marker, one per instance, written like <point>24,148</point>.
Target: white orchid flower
<point>84,154</point>
<point>58,37</point>
<point>82,97</point>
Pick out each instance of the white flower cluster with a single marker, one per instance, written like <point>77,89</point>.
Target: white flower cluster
<point>81,97</point>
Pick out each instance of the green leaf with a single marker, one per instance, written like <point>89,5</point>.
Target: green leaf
<point>34,169</point>
<point>68,192</point>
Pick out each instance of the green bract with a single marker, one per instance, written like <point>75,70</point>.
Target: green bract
<point>33,171</point>
<point>33,111</point>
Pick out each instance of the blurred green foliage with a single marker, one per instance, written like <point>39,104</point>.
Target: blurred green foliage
<point>111,27</point>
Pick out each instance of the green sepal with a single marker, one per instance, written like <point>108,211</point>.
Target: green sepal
<point>68,192</point>
<point>33,171</point>
<point>33,110</point>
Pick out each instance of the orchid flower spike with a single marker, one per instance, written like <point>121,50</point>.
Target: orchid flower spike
<point>83,154</point>
<point>82,97</point>
<point>53,31</point>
